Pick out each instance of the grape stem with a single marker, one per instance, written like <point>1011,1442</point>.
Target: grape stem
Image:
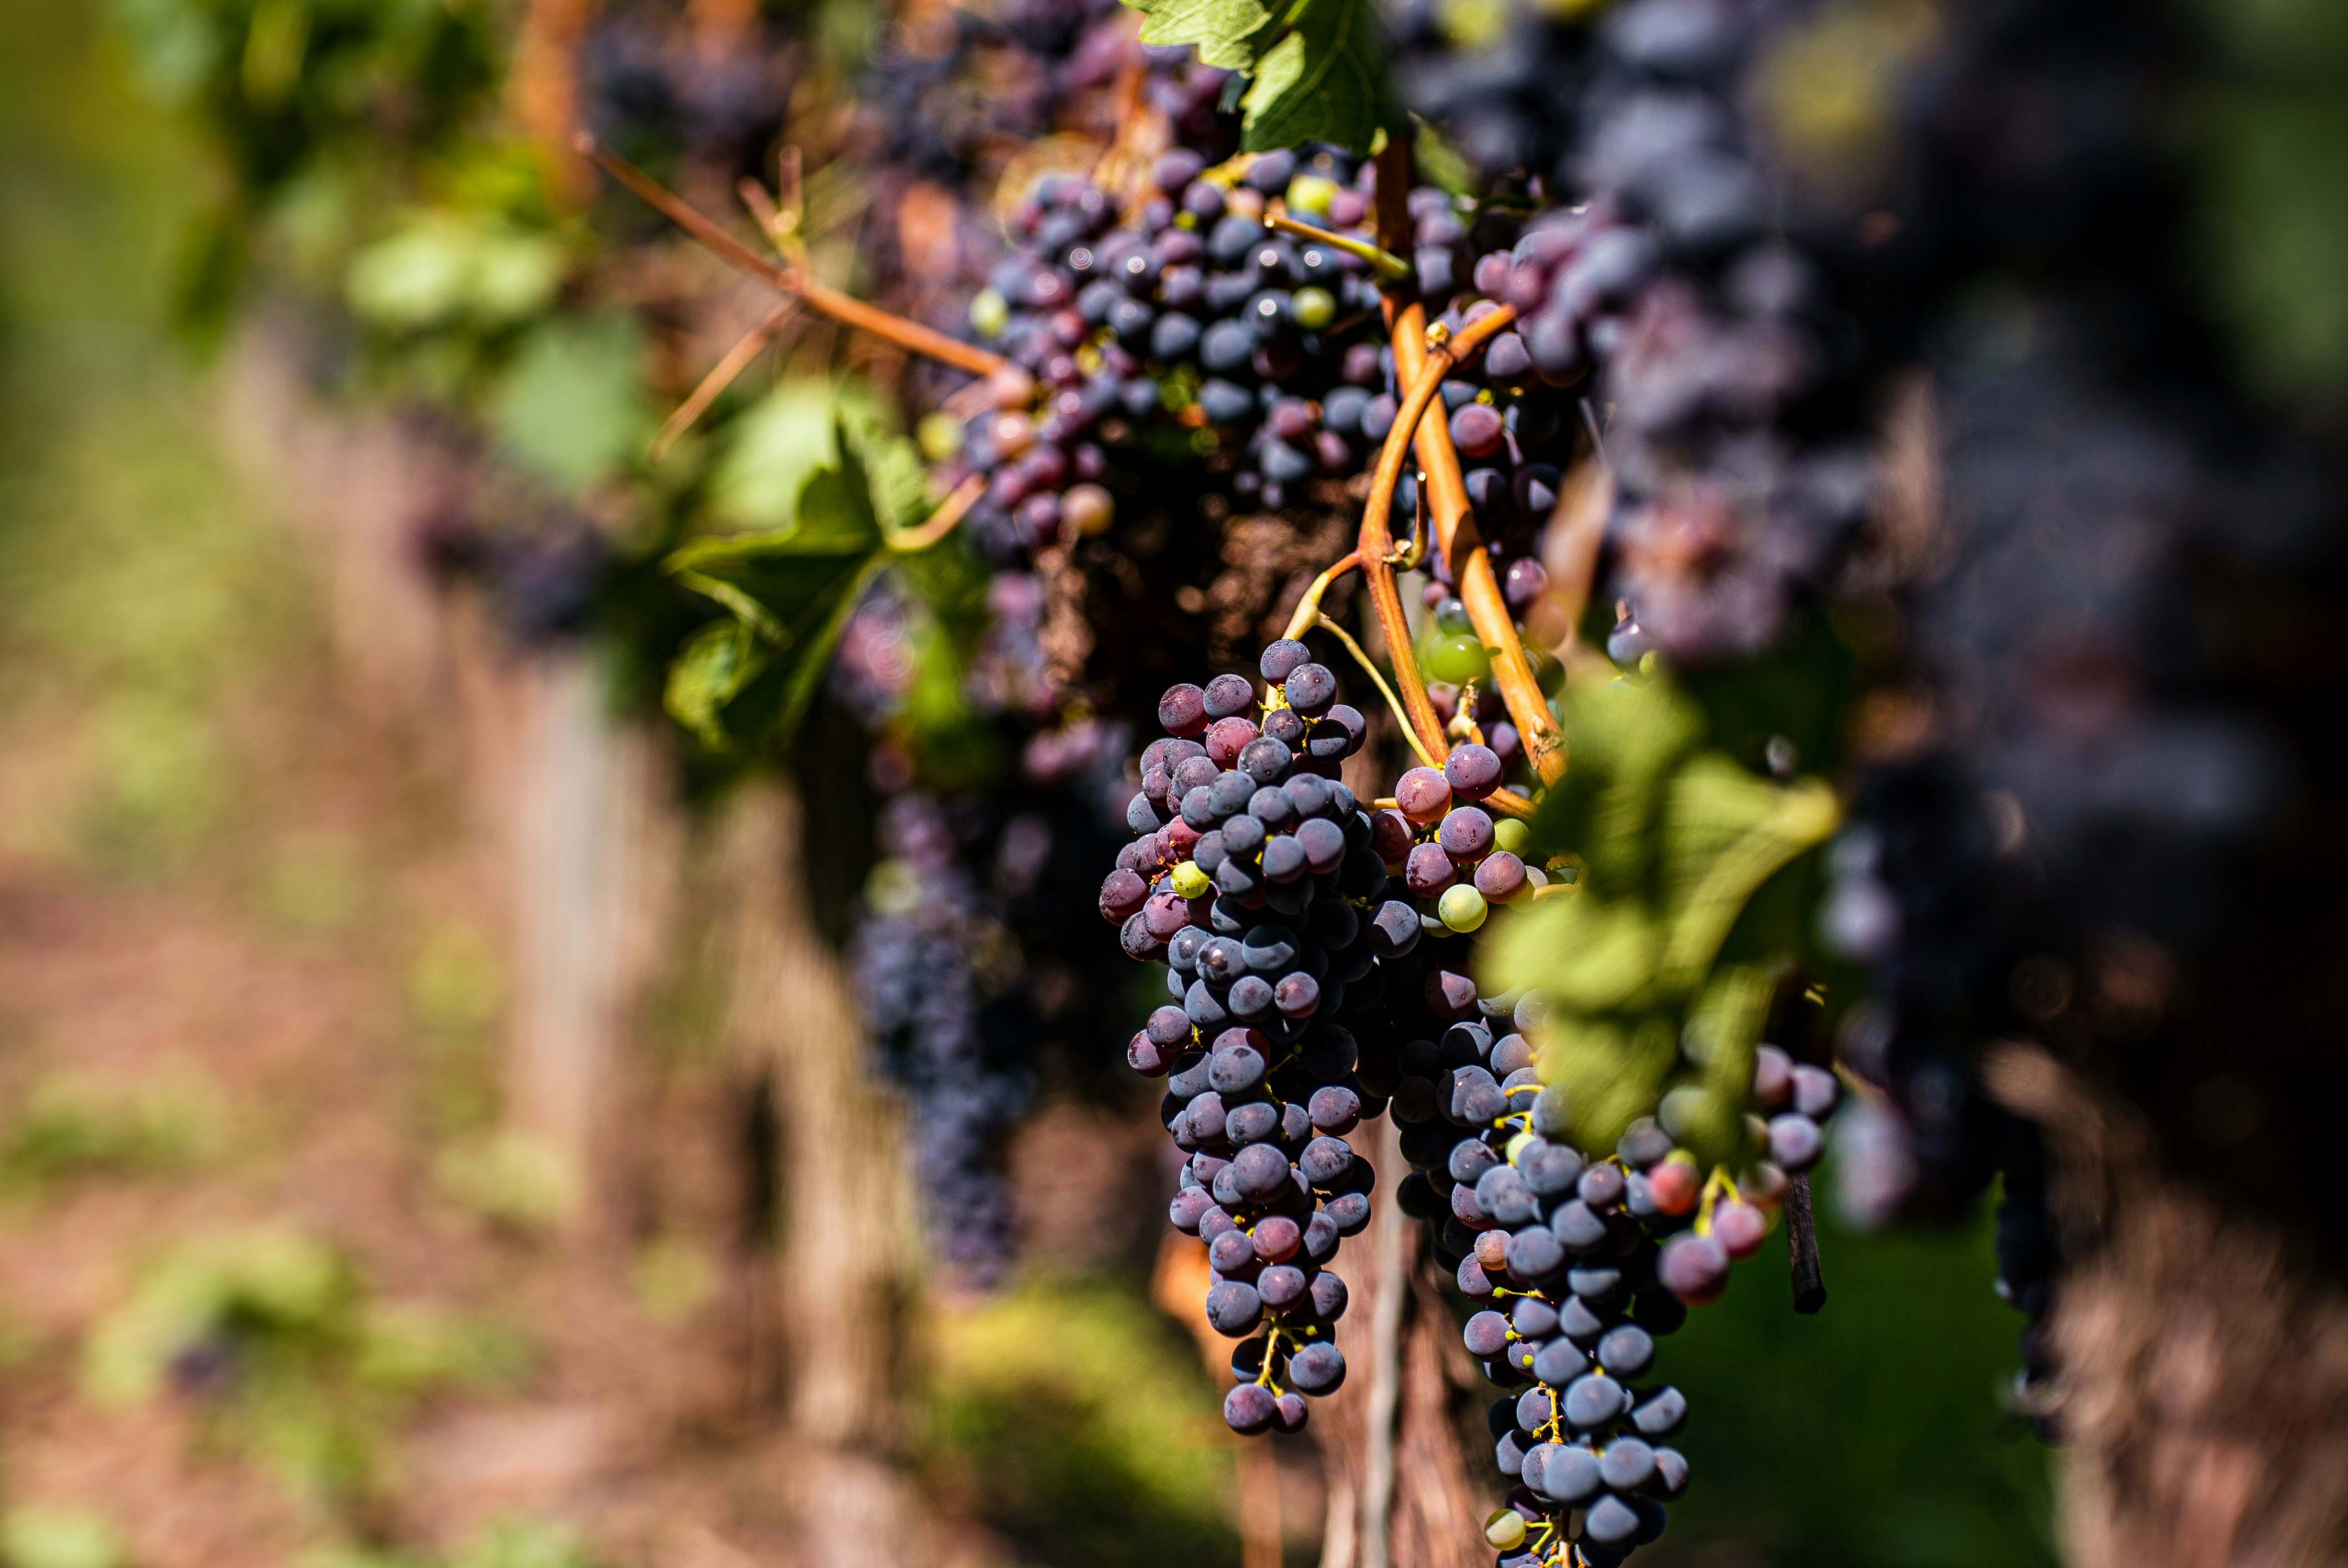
<point>1409,733</point>
<point>939,523</point>
<point>1308,608</point>
<point>816,295</point>
<point>1457,536</point>
<point>1375,541</point>
<point>1389,267</point>
<point>722,375</point>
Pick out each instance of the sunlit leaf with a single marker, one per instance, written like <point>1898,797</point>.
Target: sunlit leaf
<point>572,403</point>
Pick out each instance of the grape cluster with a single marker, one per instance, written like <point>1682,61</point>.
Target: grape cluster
<point>1186,314</point>
<point>1254,878</point>
<point>952,90</point>
<point>916,958</point>
<point>1585,1260</point>
<point>653,87</point>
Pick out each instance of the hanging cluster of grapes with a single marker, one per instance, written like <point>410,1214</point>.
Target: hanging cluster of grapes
<point>1248,879</point>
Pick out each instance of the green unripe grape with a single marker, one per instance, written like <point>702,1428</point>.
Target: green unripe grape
<point>1189,882</point>
<point>1462,908</point>
<point>1457,658</point>
<point>939,436</point>
<point>1509,833</point>
<point>1310,194</point>
<point>1505,1531</point>
<point>1090,509</point>
<point>989,312</point>
<point>1519,1145</point>
<point>1313,308</point>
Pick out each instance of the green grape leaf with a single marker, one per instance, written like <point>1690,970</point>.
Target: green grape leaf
<point>1723,1029</point>
<point>1319,66</point>
<point>791,590</point>
<point>1611,1070</point>
<point>715,662</point>
<point>1582,954</point>
<point>1725,834</point>
<point>572,403</point>
<point>1230,34</point>
<point>1626,738</point>
<point>1325,80</point>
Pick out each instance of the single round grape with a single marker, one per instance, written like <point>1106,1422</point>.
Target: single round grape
<point>1674,1187</point>
<point>1189,882</point>
<point>1318,1368</point>
<point>1280,659</point>
<point>1423,794</point>
<point>1486,1335</point>
<point>1228,696</point>
<point>1795,1140</point>
<point>1174,336</point>
<point>1451,616</point>
<point>1627,1351</point>
<point>1610,1520</point>
<point>1465,835</point>
<point>1226,738</point>
<point>1560,1363</point>
<point>1325,1160</point>
<point>1477,429</point>
<point>1739,1227</point>
<point>989,312</point>
<point>1772,1076</point>
<point>1505,1531</point>
<point>1122,894</point>
<point>1228,795</point>
<point>1461,908</point>
<point>1693,1267</point>
<point>1282,1286</point>
<point>1507,360</point>
<point>1276,1238</point>
<point>1394,930</point>
<point>1591,1401</point>
<point>1451,994</point>
<point>1571,1475</point>
<point>1230,1252</point>
<point>1457,658</point>
<point>1235,1069</point>
<point>1313,309</point>
<point>1182,710</point>
<point>1322,842</point>
<point>1472,770</point>
<point>1264,760</point>
<point>1258,1171</point>
<point>1600,1187</point>
<point>1168,1027</point>
<point>1226,404</point>
<point>1252,996</point>
<point>1390,836</point>
<point>1250,1408</point>
<point>1501,878</point>
<point>1427,871</point>
<point>1815,1092</point>
<point>1283,859</point>
<point>1310,690</point>
<point>1663,1413</point>
<point>1296,995</point>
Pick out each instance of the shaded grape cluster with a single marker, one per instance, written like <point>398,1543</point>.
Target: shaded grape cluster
<point>1254,879</point>
<point>1582,1261</point>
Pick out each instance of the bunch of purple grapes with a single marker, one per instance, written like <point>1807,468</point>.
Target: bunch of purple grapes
<point>1585,1260</point>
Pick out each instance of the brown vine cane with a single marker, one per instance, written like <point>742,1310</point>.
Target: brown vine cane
<point>816,295</point>
<point>1446,495</point>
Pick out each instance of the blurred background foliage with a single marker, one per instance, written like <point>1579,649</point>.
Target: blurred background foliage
<point>152,604</point>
